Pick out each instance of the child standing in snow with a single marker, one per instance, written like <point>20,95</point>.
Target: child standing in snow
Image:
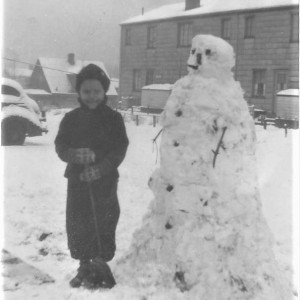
<point>92,140</point>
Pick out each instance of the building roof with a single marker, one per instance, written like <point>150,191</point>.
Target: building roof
<point>18,72</point>
<point>160,87</point>
<point>36,92</point>
<point>207,7</point>
<point>289,92</point>
<point>60,74</point>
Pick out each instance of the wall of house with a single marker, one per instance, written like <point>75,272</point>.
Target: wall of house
<point>38,80</point>
<point>270,49</point>
<point>54,101</point>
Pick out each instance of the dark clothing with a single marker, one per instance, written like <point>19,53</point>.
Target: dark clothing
<point>81,232</point>
<point>103,131</point>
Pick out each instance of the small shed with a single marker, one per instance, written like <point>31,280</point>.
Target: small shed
<point>287,104</point>
<point>156,95</point>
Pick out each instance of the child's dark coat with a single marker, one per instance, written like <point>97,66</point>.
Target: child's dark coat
<point>103,131</point>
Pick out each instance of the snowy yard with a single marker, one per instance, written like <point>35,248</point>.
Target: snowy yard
<point>35,194</point>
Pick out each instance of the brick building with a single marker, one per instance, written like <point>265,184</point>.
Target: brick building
<point>265,36</point>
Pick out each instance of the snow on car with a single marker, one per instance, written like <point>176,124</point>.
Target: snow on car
<point>21,115</point>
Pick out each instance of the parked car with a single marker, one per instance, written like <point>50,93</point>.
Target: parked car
<point>21,115</point>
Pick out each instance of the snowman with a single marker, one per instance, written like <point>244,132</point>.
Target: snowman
<point>204,234</point>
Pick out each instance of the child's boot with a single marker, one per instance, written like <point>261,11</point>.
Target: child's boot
<point>82,273</point>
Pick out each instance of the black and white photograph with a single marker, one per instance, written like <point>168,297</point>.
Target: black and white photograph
<point>150,150</point>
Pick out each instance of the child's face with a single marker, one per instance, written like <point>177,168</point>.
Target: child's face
<point>91,93</point>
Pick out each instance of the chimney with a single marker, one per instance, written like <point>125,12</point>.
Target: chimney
<point>191,4</point>
<point>71,59</point>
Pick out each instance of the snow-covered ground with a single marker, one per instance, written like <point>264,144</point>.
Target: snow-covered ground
<point>35,194</point>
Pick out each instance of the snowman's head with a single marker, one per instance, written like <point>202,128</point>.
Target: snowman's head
<point>210,53</point>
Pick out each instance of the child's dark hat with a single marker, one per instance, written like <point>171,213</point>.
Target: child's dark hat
<point>92,71</point>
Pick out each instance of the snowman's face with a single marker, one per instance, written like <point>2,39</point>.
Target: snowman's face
<point>209,52</point>
<point>199,56</point>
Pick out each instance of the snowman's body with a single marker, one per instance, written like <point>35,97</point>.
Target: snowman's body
<point>204,232</point>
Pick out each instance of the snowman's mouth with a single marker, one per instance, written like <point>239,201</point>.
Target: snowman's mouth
<point>193,67</point>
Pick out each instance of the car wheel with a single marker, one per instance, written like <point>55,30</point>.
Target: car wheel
<point>13,131</point>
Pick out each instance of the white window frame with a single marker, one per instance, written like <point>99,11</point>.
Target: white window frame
<point>249,27</point>
<point>259,83</point>
<point>294,27</point>
<point>185,34</point>
<point>128,36</point>
<point>151,36</point>
<point>226,28</point>
<point>148,77</point>
<point>137,80</point>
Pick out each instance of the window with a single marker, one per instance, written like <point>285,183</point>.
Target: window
<point>281,79</point>
<point>8,90</point>
<point>149,76</point>
<point>294,28</point>
<point>185,34</point>
<point>259,83</point>
<point>127,36</point>
<point>151,37</point>
<point>137,82</point>
<point>249,27</point>
<point>225,30</point>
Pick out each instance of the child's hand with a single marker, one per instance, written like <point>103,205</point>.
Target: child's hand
<point>82,156</point>
<point>90,174</point>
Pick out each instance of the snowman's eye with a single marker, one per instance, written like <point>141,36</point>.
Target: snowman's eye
<point>193,51</point>
<point>208,52</point>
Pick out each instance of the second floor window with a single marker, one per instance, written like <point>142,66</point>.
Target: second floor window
<point>137,81</point>
<point>185,34</point>
<point>249,27</point>
<point>259,83</point>
<point>151,37</point>
<point>225,30</point>
<point>294,27</point>
<point>127,36</point>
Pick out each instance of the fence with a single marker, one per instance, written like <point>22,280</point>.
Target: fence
<point>140,118</point>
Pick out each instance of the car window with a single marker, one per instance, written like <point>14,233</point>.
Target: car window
<point>8,90</point>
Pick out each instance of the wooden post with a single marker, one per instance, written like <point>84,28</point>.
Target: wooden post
<point>154,121</point>
<point>285,130</point>
<point>137,120</point>
<point>131,110</point>
<point>265,124</point>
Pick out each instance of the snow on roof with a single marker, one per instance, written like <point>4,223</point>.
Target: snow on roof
<point>22,72</point>
<point>207,7</point>
<point>18,72</point>
<point>36,92</point>
<point>289,92</point>
<point>164,87</point>
<point>115,82</point>
<point>59,82</point>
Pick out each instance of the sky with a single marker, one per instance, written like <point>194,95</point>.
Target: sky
<point>54,28</point>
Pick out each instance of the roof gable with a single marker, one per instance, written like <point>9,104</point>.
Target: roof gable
<point>60,75</point>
